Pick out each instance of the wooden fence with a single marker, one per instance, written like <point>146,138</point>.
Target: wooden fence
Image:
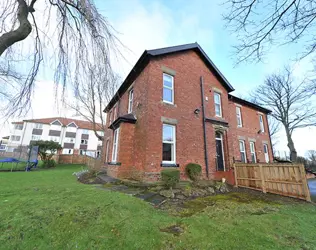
<point>92,163</point>
<point>283,179</point>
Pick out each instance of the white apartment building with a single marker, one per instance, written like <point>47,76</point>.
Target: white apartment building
<point>75,136</point>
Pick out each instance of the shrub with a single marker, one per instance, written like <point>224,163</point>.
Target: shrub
<point>50,163</point>
<point>170,177</point>
<point>193,171</point>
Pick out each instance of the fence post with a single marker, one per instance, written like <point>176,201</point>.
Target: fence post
<point>304,182</point>
<point>235,174</point>
<point>263,183</point>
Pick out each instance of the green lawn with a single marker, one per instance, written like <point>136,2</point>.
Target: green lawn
<point>49,209</point>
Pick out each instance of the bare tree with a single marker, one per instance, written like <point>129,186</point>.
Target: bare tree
<point>99,88</point>
<point>311,155</point>
<point>291,103</point>
<point>66,36</point>
<point>274,128</point>
<point>260,24</point>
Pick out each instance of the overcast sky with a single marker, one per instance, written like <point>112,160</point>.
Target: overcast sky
<point>153,24</point>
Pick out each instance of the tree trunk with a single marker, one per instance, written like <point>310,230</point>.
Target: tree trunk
<point>22,32</point>
<point>290,144</point>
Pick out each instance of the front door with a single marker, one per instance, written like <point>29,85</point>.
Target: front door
<point>219,152</point>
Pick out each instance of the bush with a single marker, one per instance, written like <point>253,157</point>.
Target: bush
<point>170,177</point>
<point>50,163</point>
<point>193,171</point>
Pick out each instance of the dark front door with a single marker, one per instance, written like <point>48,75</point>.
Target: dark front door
<point>219,153</point>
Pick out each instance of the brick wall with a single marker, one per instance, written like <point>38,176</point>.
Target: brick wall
<point>141,143</point>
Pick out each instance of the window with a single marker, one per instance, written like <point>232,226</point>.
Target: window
<point>85,142</point>
<point>54,138</point>
<point>239,120</point>
<point>110,117</point>
<point>15,138</point>
<point>242,151</point>
<point>168,143</point>
<point>107,150</point>
<point>38,125</point>
<point>130,101</point>
<point>83,152</point>
<point>2,147</point>
<point>218,105</point>
<point>115,145</point>
<point>69,140</point>
<point>67,151</point>
<point>168,92</point>
<point>115,112</point>
<point>18,126</point>
<point>253,152</point>
<point>85,131</point>
<point>36,137</point>
<point>266,153</point>
<point>261,123</point>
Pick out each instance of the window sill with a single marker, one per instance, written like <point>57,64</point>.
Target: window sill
<point>169,165</point>
<point>114,163</point>
<point>168,104</point>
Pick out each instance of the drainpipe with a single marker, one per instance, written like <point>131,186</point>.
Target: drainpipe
<point>204,127</point>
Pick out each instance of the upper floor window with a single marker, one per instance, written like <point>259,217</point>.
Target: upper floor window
<point>261,123</point>
<point>115,112</point>
<point>54,138</point>
<point>168,143</point>
<point>130,101</point>
<point>110,117</point>
<point>253,152</point>
<point>242,150</point>
<point>38,125</point>
<point>18,126</point>
<point>15,138</point>
<point>168,88</point>
<point>85,131</point>
<point>69,140</point>
<point>84,142</point>
<point>239,120</point>
<point>36,137</point>
<point>218,104</point>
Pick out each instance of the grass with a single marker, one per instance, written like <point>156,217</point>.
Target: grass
<point>49,209</point>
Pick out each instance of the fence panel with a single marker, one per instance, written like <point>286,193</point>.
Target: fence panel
<point>284,179</point>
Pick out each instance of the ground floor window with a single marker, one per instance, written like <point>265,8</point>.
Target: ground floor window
<point>242,150</point>
<point>266,153</point>
<point>168,143</point>
<point>67,151</point>
<point>115,145</point>
<point>253,152</point>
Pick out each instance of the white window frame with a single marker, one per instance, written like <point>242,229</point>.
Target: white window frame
<point>173,151</point>
<point>220,104</point>
<point>69,140</point>
<point>261,123</point>
<point>107,150</point>
<point>18,126</point>
<point>130,101</point>
<point>15,137</point>
<point>167,87</point>
<point>115,111</point>
<point>253,151</point>
<point>38,125</point>
<point>54,138</point>
<point>115,145</point>
<point>244,151</point>
<point>36,137</point>
<point>239,118</point>
<point>84,142</point>
<point>110,117</point>
<point>266,154</point>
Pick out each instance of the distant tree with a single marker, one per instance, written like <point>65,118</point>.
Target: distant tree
<point>46,149</point>
<point>263,24</point>
<point>274,128</point>
<point>291,103</point>
<point>96,90</point>
<point>65,35</point>
<point>311,154</point>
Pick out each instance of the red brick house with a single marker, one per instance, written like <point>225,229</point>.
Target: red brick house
<point>174,108</point>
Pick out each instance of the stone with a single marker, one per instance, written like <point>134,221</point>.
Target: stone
<point>211,190</point>
<point>180,197</point>
<point>167,193</point>
<point>223,188</point>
